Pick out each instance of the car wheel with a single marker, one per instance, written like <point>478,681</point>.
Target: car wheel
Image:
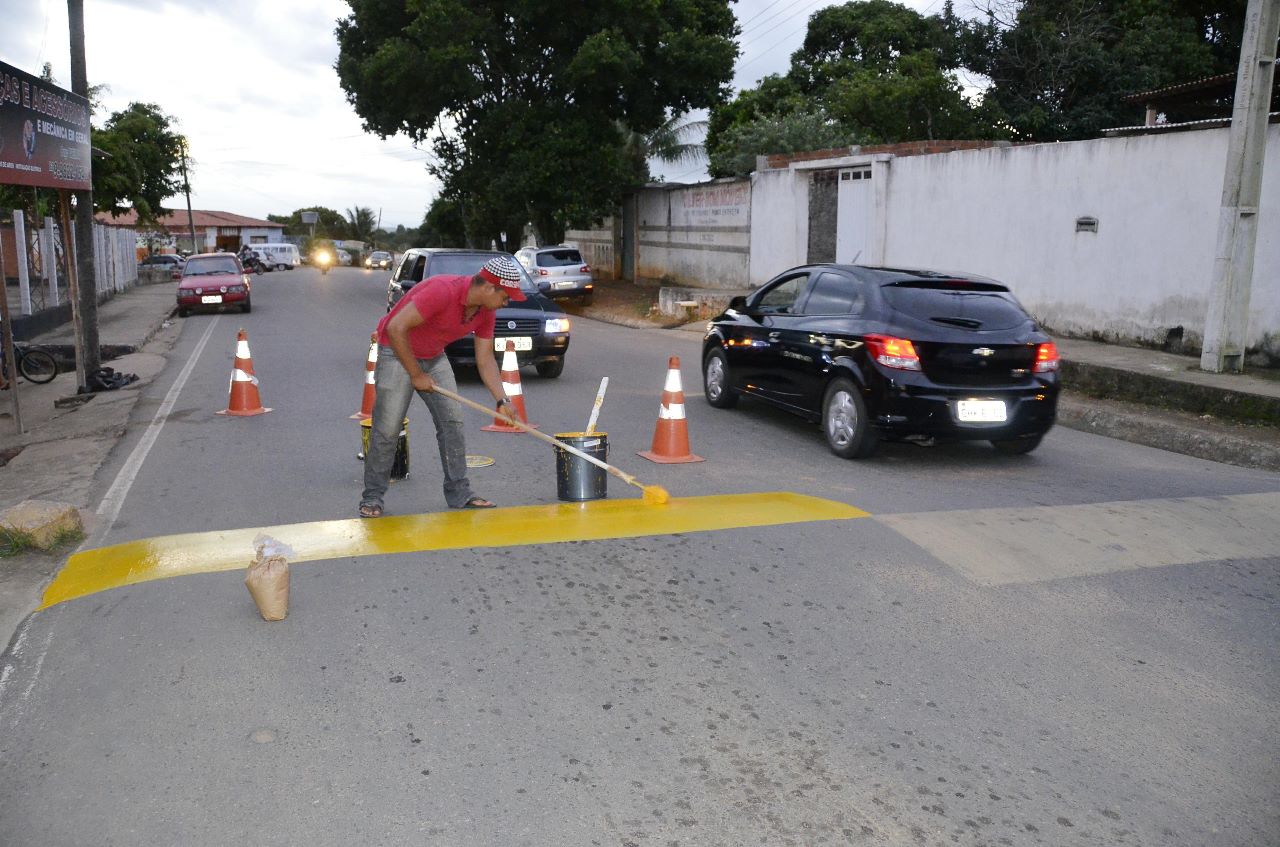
<point>586,301</point>
<point>844,421</point>
<point>182,313</point>
<point>281,267</point>
<point>552,369</point>
<point>1017,446</point>
<point>258,269</point>
<point>715,380</point>
<point>247,307</point>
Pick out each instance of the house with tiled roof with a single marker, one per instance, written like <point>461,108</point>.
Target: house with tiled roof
<point>213,231</point>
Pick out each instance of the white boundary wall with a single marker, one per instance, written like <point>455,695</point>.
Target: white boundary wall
<point>699,235</point>
<point>1010,213</point>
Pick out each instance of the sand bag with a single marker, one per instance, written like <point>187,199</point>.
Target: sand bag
<point>268,577</point>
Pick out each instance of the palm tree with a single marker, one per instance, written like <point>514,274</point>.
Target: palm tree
<point>669,143</point>
<point>360,222</point>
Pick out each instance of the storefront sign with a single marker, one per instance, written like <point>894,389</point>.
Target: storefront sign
<point>44,133</point>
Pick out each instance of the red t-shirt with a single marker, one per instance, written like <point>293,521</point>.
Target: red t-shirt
<point>441,300</point>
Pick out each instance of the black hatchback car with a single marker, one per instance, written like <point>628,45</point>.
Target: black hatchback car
<point>538,327</point>
<point>885,353</point>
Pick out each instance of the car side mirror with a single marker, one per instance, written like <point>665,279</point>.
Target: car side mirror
<point>406,284</point>
<point>738,304</point>
<point>544,286</point>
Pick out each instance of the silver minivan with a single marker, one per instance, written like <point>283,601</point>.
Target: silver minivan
<point>563,267</point>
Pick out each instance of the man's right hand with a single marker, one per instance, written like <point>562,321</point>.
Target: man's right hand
<point>424,382</point>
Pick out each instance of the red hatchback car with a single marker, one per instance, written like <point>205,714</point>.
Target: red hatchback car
<point>213,281</point>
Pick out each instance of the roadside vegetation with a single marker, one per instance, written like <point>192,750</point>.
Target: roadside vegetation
<point>13,542</point>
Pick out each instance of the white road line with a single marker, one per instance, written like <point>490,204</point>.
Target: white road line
<point>113,502</point>
<point>1038,543</point>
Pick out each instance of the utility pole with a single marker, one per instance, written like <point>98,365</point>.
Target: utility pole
<point>87,276</point>
<point>186,187</point>
<point>1227,322</point>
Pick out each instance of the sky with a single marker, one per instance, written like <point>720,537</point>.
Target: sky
<point>252,86</point>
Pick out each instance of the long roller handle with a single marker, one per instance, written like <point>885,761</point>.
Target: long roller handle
<point>542,436</point>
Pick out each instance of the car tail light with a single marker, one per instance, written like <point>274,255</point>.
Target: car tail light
<point>1046,358</point>
<point>543,272</point>
<point>586,269</point>
<point>897,353</point>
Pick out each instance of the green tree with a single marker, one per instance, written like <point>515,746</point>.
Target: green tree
<point>867,72</point>
<point>140,162</point>
<point>885,72</point>
<point>331,224</point>
<point>1060,68</point>
<point>522,102</point>
<point>736,151</point>
<point>442,226</point>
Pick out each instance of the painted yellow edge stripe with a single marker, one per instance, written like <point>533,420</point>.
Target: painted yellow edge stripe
<point>91,571</point>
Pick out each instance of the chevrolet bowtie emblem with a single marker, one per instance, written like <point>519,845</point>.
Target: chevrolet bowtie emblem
<point>983,351</point>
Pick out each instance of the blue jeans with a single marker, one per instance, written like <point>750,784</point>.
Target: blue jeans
<point>393,392</point>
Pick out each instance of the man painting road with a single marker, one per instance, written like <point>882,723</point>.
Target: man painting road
<point>411,357</point>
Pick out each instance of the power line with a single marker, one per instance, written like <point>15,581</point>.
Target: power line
<point>782,22</point>
<point>757,15</point>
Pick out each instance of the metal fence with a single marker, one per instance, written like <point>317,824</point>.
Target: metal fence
<point>36,255</point>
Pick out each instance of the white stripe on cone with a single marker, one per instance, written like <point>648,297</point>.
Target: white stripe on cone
<point>368,378</point>
<point>509,361</point>
<point>240,376</point>
<point>513,389</point>
<point>673,381</point>
<point>674,412</point>
<point>242,349</point>
<point>373,354</point>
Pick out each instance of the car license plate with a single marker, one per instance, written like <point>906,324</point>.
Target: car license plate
<point>211,298</point>
<point>981,411</point>
<point>523,343</point>
<point>568,284</point>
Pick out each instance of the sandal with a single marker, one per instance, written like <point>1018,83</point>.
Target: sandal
<point>478,503</point>
<point>370,510</point>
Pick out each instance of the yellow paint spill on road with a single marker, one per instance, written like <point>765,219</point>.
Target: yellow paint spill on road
<point>168,556</point>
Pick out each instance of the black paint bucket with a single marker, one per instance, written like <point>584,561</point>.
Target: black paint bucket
<point>399,465</point>
<point>576,478</point>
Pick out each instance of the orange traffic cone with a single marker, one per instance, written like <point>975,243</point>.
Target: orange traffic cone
<point>511,385</point>
<point>370,392</point>
<point>244,385</point>
<point>671,438</point>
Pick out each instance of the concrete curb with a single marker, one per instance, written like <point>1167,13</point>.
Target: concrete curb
<point>1246,447</point>
<point>1110,383</point>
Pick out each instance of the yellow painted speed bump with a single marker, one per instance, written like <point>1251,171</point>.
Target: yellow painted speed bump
<point>168,556</point>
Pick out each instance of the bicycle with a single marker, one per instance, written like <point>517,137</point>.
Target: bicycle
<point>35,363</point>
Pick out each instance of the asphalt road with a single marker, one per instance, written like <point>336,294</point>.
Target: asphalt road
<point>1074,647</point>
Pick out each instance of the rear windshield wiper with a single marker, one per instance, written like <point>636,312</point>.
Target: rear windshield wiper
<point>967,323</point>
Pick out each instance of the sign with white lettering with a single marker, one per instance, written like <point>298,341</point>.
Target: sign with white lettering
<point>44,133</point>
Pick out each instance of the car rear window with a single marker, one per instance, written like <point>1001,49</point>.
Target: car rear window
<point>211,265</point>
<point>961,303</point>
<point>559,258</point>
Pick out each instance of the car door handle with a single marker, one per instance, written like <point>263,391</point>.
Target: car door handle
<point>774,336</point>
<point>820,339</point>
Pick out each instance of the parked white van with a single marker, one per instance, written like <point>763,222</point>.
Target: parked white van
<point>282,257</point>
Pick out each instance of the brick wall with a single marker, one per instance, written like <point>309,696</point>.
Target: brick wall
<point>905,148</point>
